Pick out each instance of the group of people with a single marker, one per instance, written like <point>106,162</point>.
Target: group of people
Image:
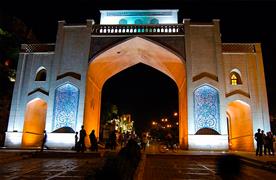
<point>264,142</point>
<point>80,144</point>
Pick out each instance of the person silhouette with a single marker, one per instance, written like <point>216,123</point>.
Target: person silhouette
<point>44,141</point>
<point>81,141</point>
<point>76,141</point>
<point>93,141</point>
<point>259,139</point>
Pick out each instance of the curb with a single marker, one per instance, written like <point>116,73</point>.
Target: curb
<point>139,173</point>
<point>268,165</point>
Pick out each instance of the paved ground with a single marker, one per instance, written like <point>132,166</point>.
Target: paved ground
<point>31,164</point>
<point>175,167</point>
<point>45,168</point>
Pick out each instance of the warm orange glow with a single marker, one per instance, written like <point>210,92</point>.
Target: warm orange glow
<point>175,114</point>
<point>133,51</point>
<point>34,123</point>
<point>240,126</point>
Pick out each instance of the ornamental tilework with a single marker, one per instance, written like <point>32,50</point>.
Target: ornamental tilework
<point>206,108</point>
<point>66,106</point>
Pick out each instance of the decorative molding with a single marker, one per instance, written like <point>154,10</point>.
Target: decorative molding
<point>38,90</point>
<point>238,48</point>
<point>205,74</point>
<point>237,92</point>
<point>72,74</point>
<point>29,48</point>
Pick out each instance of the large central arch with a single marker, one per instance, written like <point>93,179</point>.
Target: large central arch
<point>122,56</point>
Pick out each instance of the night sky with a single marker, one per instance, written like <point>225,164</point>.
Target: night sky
<point>241,21</point>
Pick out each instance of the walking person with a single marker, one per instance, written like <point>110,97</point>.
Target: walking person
<point>76,142</point>
<point>44,141</point>
<point>81,141</point>
<point>93,141</point>
<point>144,141</point>
<point>259,139</point>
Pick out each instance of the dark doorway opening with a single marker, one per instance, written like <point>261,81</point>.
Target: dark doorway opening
<point>145,93</point>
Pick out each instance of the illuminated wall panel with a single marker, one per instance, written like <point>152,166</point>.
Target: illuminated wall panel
<point>66,106</point>
<point>34,123</point>
<point>206,108</point>
<point>165,16</point>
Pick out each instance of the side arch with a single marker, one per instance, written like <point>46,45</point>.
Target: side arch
<point>34,123</point>
<point>240,126</point>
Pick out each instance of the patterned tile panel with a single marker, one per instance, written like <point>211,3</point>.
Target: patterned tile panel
<point>206,108</point>
<point>66,106</point>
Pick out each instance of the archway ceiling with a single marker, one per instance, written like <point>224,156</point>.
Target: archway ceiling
<point>134,51</point>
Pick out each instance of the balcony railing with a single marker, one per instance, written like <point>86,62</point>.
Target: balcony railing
<point>138,29</point>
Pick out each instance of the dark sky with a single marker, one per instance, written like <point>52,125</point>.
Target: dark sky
<point>240,20</point>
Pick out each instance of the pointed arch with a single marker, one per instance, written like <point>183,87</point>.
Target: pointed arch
<point>206,108</point>
<point>34,123</point>
<point>240,126</point>
<point>66,106</point>
<point>235,77</point>
<point>41,74</point>
<point>127,54</point>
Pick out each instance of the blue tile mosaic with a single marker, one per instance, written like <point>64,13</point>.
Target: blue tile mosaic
<point>206,108</point>
<point>66,106</point>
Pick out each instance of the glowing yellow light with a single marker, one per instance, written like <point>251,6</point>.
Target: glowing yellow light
<point>175,114</point>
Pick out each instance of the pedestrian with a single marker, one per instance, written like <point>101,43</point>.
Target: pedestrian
<point>93,141</point>
<point>270,144</point>
<point>266,143</point>
<point>113,139</point>
<point>126,138</point>
<point>120,139</point>
<point>76,141</point>
<point>144,141</point>
<point>81,141</point>
<point>44,141</point>
<point>259,139</point>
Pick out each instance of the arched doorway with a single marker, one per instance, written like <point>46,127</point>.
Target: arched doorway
<point>122,56</point>
<point>240,126</point>
<point>34,123</point>
<point>136,98</point>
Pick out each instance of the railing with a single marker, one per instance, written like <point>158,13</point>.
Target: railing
<point>138,29</point>
<point>37,48</point>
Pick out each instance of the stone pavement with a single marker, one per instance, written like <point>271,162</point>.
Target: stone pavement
<point>54,164</point>
<point>57,164</point>
<point>169,166</point>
